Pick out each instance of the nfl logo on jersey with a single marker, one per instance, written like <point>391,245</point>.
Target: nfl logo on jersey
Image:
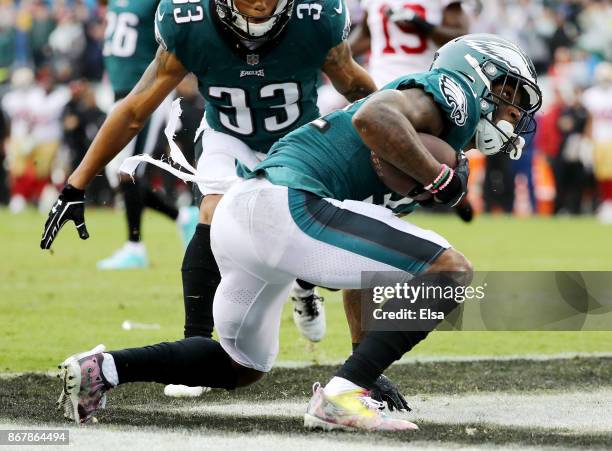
<point>252,59</point>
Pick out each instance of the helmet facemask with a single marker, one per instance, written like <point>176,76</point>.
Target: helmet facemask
<point>253,28</point>
<point>495,135</point>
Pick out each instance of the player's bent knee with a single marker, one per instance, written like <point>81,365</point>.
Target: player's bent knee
<point>246,376</point>
<point>208,207</point>
<point>453,261</point>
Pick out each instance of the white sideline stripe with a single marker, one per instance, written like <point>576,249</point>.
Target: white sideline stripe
<point>113,438</point>
<point>407,360</point>
<point>576,411</point>
<point>412,359</point>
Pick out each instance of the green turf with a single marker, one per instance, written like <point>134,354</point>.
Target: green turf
<point>52,305</point>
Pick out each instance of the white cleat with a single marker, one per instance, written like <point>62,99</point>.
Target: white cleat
<point>309,316</point>
<point>184,391</point>
<point>130,256</point>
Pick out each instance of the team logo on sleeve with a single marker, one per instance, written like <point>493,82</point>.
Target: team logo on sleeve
<point>455,98</point>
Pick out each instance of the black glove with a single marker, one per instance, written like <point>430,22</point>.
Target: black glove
<point>385,390</point>
<point>464,210</point>
<point>457,188</point>
<point>70,206</point>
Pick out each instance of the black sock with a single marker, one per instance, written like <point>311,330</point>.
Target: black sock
<point>376,352</point>
<point>305,285</point>
<point>379,349</point>
<point>133,208</point>
<point>157,202</point>
<point>195,361</point>
<point>201,278</point>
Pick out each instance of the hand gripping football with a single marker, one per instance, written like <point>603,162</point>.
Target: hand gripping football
<point>402,183</point>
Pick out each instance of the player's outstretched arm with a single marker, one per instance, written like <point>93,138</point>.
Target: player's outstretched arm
<point>349,78</point>
<point>127,119</point>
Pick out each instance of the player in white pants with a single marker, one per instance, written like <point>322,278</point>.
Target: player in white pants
<point>217,166</point>
<point>261,249</point>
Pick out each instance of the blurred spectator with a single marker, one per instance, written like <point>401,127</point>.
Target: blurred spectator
<point>548,138</point>
<point>67,43</point>
<point>598,101</point>
<point>573,170</point>
<point>4,189</point>
<point>534,43</point>
<point>8,36</point>
<point>93,61</point>
<point>524,168</point>
<point>34,111</point>
<point>498,186</point>
<point>565,33</point>
<point>81,120</point>
<point>42,27</point>
<point>596,25</point>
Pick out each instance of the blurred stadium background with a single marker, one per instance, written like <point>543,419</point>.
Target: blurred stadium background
<point>51,64</point>
<point>58,46</point>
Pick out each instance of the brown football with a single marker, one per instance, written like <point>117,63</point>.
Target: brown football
<point>402,183</point>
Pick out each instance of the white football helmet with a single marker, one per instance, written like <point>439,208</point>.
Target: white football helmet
<point>254,29</point>
<point>485,60</point>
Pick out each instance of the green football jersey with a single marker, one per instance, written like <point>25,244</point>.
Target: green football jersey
<point>129,41</point>
<point>257,95</point>
<point>327,157</point>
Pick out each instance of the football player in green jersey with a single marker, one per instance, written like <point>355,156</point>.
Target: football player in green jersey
<point>129,47</point>
<point>259,81</point>
<point>300,213</point>
<point>257,64</point>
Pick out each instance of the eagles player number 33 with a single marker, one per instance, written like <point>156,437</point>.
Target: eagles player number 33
<point>238,116</point>
<point>194,13</point>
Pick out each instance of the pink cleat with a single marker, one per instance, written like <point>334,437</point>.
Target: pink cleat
<point>85,386</point>
<point>351,410</point>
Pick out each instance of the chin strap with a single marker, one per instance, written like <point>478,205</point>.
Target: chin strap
<point>491,139</point>
<point>517,149</point>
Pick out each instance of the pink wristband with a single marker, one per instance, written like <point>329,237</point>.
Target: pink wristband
<point>432,187</point>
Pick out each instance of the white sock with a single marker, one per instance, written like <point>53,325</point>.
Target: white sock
<point>339,385</point>
<point>109,370</point>
<point>300,292</point>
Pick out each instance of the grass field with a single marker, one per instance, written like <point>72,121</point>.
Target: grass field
<point>55,304</point>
